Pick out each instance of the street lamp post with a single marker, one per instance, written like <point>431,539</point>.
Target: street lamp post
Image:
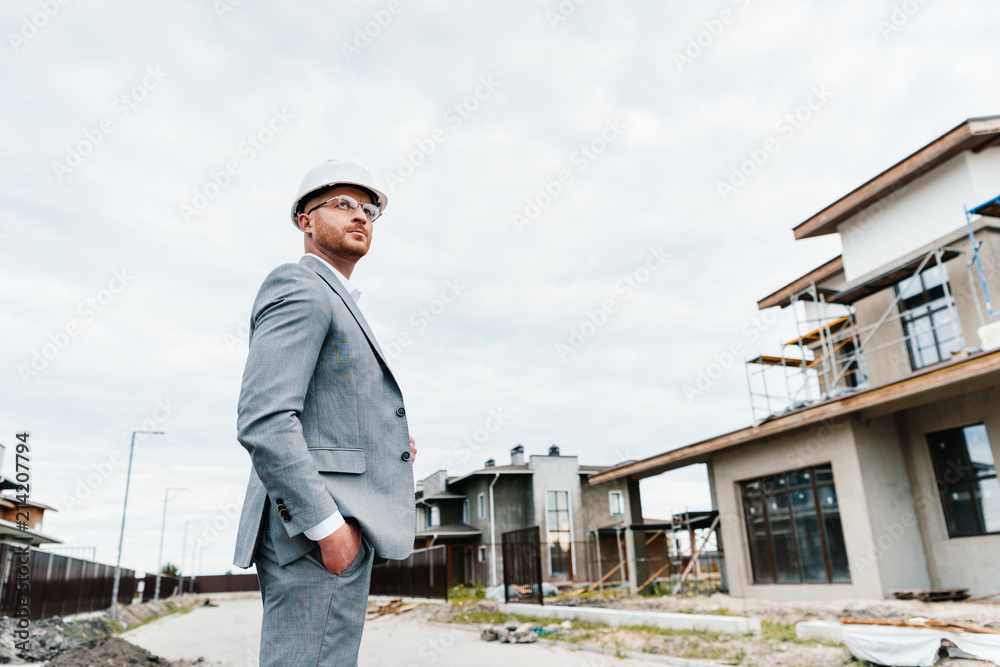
<point>163,529</point>
<point>121,537</point>
<point>184,551</point>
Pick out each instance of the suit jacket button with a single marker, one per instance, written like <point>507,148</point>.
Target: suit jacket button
<point>405,455</point>
<point>401,411</point>
<point>286,517</point>
<point>279,501</point>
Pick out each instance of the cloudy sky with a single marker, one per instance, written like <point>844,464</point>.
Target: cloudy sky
<point>567,175</point>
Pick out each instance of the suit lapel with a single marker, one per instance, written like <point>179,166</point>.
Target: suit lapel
<point>334,282</point>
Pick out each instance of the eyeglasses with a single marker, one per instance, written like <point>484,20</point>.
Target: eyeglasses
<point>349,203</point>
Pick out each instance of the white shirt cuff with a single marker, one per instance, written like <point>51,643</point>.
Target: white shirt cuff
<point>325,527</point>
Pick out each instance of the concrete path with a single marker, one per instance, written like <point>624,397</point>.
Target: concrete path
<point>229,636</point>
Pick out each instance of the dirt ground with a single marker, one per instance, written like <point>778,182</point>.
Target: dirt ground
<point>776,645</point>
<point>112,652</point>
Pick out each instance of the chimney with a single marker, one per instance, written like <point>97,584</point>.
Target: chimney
<point>554,450</point>
<point>490,463</point>
<point>517,456</point>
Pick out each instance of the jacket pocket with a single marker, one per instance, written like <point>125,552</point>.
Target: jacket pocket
<point>339,459</point>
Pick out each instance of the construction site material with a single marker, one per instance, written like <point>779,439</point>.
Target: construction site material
<point>733,625</point>
<point>393,606</point>
<point>934,595</point>
<point>511,632</point>
<point>904,646</point>
<point>949,626</point>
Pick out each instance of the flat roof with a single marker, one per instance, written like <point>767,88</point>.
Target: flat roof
<point>975,134</point>
<point>783,296</point>
<point>967,374</point>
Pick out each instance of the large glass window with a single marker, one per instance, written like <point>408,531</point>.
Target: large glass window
<point>793,525</point>
<point>557,503</point>
<point>967,480</point>
<point>925,304</point>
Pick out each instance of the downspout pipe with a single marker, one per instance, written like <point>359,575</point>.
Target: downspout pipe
<point>493,534</point>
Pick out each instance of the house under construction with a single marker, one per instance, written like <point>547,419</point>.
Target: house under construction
<point>870,464</point>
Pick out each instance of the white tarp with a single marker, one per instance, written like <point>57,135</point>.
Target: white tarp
<point>912,647</point>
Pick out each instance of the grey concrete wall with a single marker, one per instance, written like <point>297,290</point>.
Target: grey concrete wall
<point>828,442</point>
<point>891,361</point>
<point>559,473</point>
<point>965,562</point>
<point>897,550</point>
<point>512,495</point>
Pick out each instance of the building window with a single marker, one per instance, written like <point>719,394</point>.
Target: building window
<point>793,524</point>
<point>481,554</point>
<point>557,503</point>
<point>967,480</point>
<point>465,511</point>
<point>925,306</point>
<point>433,516</point>
<point>482,505</point>
<point>617,502</point>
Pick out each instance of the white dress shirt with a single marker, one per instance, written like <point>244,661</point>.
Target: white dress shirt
<point>328,525</point>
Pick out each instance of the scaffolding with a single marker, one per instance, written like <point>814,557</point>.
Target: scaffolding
<point>828,357</point>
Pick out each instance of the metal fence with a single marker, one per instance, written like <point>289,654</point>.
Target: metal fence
<point>58,585</point>
<point>222,583</point>
<point>168,586</point>
<point>424,575</point>
<point>603,563</point>
<point>522,565</point>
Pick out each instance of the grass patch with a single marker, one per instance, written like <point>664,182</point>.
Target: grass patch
<point>460,593</point>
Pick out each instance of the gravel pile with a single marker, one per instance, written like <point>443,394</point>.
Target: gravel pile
<point>52,637</point>
<point>112,651</point>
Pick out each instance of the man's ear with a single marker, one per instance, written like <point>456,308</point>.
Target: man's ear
<point>305,222</point>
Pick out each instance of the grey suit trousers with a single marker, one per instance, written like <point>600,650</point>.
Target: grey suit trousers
<point>312,617</point>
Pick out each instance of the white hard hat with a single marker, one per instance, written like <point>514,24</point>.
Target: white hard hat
<point>335,172</point>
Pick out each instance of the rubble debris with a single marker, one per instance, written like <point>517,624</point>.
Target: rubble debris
<point>511,632</point>
<point>933,595</point>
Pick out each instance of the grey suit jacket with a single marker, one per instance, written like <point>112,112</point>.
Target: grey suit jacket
<point>322,418</point>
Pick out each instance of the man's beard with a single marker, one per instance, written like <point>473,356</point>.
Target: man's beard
<point>328,240</point>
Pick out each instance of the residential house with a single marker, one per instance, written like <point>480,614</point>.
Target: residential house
<point>874,468</point>
<point>21,517</point>
<point>471,512</point>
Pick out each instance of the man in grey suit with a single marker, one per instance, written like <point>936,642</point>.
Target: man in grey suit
<point>322,417</point>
